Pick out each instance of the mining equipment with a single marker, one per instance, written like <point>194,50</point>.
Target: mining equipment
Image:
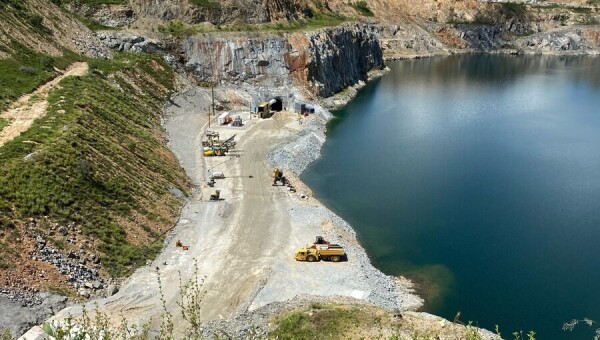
<point>278,177</point>
<point>212,137</point>
<point>321,250</point>
<point>215,195</point>
<point>218,148</point>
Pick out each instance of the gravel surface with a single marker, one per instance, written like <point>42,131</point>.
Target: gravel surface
<point>243,245</point>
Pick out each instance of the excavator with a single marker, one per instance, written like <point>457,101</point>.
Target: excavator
<point>278,177</point>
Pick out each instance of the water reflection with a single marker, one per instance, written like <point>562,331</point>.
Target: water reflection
<point>477,176</point>
<point>490,69</point>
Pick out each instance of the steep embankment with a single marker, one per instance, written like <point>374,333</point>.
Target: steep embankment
<point>88,186</point>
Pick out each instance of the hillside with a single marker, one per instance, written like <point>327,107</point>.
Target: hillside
<point>90,191</point>
<point>86,189</point>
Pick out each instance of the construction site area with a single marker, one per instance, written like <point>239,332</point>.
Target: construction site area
<point>249,230</point>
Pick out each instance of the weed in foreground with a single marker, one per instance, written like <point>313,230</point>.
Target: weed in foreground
<point>570,326</point>
<point>100,326</point>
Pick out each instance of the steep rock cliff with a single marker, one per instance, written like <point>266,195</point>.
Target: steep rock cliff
<point>326,60</point>
<point>342,56</point>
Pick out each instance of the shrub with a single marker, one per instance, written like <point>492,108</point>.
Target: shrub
<point>36,21</point>
<point>363,8</point>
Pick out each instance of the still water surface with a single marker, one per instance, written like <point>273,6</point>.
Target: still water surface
<point>479,177</point>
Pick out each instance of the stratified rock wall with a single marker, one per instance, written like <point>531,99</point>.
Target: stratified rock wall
<point>229,58</point>
<point>342,56</point>
<point>326,60</point>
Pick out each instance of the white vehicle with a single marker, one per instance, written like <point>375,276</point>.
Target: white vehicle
<point>217,174</point>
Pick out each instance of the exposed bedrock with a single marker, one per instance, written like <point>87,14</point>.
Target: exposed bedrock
<point>327,60</point>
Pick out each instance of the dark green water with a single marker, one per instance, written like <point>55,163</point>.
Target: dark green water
<point>479,177</point>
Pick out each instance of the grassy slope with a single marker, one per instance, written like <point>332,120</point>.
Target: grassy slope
<point>365,322</point>
<point>99,162</point>
<point>26,69</point>
<point>98,159</point>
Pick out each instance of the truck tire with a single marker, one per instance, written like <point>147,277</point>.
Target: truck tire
<point>311,258</point>
<point>336,258</point>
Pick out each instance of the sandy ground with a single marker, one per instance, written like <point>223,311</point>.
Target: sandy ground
<point>33,105</point>
<point>242,246</point>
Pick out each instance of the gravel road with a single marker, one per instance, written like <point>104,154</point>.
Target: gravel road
<point>243,245</point>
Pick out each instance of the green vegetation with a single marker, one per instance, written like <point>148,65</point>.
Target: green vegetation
<point>318,20</point>
<point>478,20</point>
<point>6,335</point>
<point>92,2</point>
<point>581,10</point>
<point>593,2</point>
<point>3,123</point>
<point>319,4</point>
<point>27,70</point>
<point>96,159</point>
<point>514,9</point>
<point>206,3</point>
<point>327,322</point>
<point>363,8</point>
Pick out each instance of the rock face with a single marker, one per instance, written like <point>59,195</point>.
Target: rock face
<point>583,39</point>
<point>341,56</point>
<point>221,11</point>
<point>106,15</point>
<point>19,315</point>
<point>326,60</point>
<point>234,58</point>
<point>586,39</point>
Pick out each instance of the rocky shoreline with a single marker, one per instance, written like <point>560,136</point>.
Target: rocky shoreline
<point>295,155</point>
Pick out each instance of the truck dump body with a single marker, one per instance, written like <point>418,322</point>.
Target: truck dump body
<point>325,252</point>
<point>328,250</point>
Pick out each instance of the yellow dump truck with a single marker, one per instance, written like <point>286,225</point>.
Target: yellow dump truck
<point>318,252</point>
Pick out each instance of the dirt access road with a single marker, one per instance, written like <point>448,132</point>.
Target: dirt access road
<point>243,245</point>
<point>34,105</point>
<point>232,242</point>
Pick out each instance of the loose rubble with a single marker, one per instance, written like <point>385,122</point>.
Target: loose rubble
<point>81,268</point>
<point>127,42</point>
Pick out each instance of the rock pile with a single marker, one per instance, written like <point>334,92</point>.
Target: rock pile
<point>306,147</point>
<point>87,43</point>
<point>81,268</point>
<point>127,42</point>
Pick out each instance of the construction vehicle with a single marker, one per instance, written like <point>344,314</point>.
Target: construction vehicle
<point>278,177</point>
<point>215,147</point>
<point>215,195</point>
<point>321,250</point>
<point>213,151</point>
<point>212,138</point>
